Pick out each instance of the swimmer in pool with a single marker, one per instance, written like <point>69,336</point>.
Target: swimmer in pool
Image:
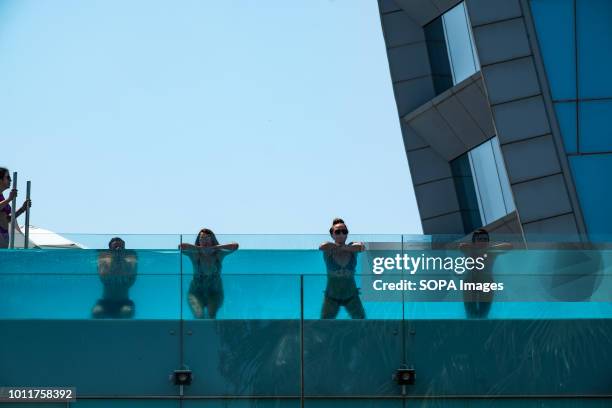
<point>477,304</point>
<point>5,207</point>
<point>341,260</point>
<point>117,270</point>
<point>206,288</point>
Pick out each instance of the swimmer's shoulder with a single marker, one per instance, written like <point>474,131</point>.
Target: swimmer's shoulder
<point>327,246</point>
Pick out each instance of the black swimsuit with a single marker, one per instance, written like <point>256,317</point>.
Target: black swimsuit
<point>341,285</point>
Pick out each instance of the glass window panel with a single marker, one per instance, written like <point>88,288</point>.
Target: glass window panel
<point>482,185</point>
<point>566,116</point>
<point>438,56</point>
<point>487,183</point>
<point>466,193</point>
<point>451,50</point>
<point>595,130</point>
<point>503,176</point>
<point>594,47</point>
<point>459,43</point>
<point>554,21</point>
<point>591,176</point>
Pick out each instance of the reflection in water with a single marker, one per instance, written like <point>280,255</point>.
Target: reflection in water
<point>577,272</point>
<point>256,355</point>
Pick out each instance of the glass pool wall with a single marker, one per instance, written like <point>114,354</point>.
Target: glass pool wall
<point>269,347</point>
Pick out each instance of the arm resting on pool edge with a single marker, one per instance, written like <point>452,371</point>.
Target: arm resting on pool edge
<point>226,248</point>
<point>231,247</point>
<point>353,247</point>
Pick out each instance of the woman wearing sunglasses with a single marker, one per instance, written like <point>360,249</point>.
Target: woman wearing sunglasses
<point>206,288</point>
<point>341,261</point>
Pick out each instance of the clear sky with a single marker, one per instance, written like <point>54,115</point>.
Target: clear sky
<point>246,116</point>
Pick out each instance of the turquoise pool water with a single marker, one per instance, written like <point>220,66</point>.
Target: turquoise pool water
<point>259,284</point>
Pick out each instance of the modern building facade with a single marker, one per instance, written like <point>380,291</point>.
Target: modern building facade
<point>503,107</point>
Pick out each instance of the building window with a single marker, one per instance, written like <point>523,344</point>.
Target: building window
<point>482,185</point>
<point>451,49</point>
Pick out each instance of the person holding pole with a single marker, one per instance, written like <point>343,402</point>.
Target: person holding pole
<point>5,207</point>
<point>27,216</point>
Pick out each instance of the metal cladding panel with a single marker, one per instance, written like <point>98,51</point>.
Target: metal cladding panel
<point>445,5</point>
<point>461,122</point>
<point>511,80</point>
<point>388,6</point>
<point>436,198</point>
<point>422,11</point>
<point>501,41</point>
<point>475,102</point>
<point>408,61</point>
<point>531,158</point>
<point>428,166</point>
<point>412,93</point>
<point>432,127</point>
<point>521,119</point>
<point>541,198</point>
<point>400,29</point>
<point>490,11</point>
<point>563,225</point>
<point>444,224</point>
<point>412,141</point>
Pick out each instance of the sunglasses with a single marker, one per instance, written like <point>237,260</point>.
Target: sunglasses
<point>341,232</point>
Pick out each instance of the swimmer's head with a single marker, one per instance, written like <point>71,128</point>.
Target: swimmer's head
<point>5,178</point>
<point>116,244</point>
<point>206,238</point>
<point>338,231</point>
<point>480,236</point>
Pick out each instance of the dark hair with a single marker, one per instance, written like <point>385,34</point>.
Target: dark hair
<point>207,232</point>
<point>335,222</point>
<point>479,232</point>
<point>113,240</point>
<point>3,171</point>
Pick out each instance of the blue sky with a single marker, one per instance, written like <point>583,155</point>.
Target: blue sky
<point>161,116</point>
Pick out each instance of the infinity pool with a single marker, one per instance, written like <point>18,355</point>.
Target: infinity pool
<point>268,347</point>
<point>258,284</point>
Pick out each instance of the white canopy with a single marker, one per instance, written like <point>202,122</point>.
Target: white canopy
<point>44,239</point>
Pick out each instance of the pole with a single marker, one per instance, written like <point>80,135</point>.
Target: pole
<point>13,215</point>
<point>27,220</point>
<point>301,340</point>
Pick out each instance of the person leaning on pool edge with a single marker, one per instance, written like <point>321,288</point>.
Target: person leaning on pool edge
<point>341,260</point>
<point>5,207</point>
<point>206,287</point>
